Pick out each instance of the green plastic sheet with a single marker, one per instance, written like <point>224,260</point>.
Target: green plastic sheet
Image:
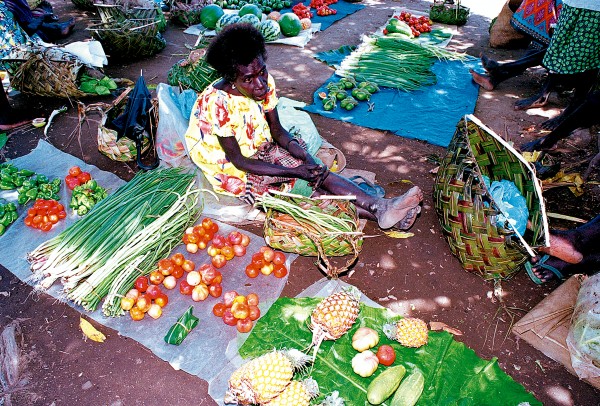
<point>454,374</point>
<point>182,327</point>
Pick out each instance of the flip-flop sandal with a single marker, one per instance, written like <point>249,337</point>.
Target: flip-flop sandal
<point>367,186</point>
<point>541,263</point>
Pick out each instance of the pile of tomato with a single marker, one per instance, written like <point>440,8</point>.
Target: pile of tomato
<point>223,249</point>
<point>267,261</point>
<point>326,11</point>
<point>76,177</point>
<point>200,235</point>
<point>238,310</point>
<point>45,214</point>
<point>302,11</point>
<point>144,298</point>
<point>416,24</point>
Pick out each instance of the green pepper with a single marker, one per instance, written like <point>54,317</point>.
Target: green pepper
<point>329,103</point>
<point>348,83</point>
<point>10,206</point>
<point>18,180</point>
<point>340,94</point>
<point>5,219</point>
<point>369,86</point>
<point>2,229</point>
<point>7,186</point>
<point>348,103</point>
<point>13,216</point>
<point>32,193</point>
<point>41,179</point>
<point>26,172</point>
<point>361,94</point>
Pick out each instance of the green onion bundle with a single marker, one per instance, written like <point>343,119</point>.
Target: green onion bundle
<point>395,62</point>
<point>120,239</point>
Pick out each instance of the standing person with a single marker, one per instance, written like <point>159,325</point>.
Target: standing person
<point>572,58</point>
<point>236,138</point>
<point>10,36</point>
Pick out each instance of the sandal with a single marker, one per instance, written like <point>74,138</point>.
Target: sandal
<point>541,263</point>
<point>367,186</point>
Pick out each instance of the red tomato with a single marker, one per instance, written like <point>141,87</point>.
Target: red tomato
<point>218,277</point>
<point>206,223</point>
<point>252,299</point>
<point>228,252</point>
<point>254,313</point>
<point>178,259</point>
<point>153,291</point>
<point>215,290</point>
<point>188,265</point>
<point>46,226</point>
<point>218,241</point>
<point>208,273</point>
<point>214,228</point>
<point>279,258</point>
<point>141,283</point>
<point>62,214</point>
<point>229,297</point>
<point>245,240</point>
<point>235,237</point>
<point>31,212</point>
<point>84,177</point>
<point>280,271</point>
<point>71,182</point>
<point>162,300</point>
<point>219,261</point>
<point>244,325</point>
<point>239,250</point>
<point>257,259</point>
<point>386,355</point>
<point>28,221</point>
<point>268,253</point>
<point>74,171</point>
<point>228,318</point>
<point>185,288</point>
<point>156,278</point>
<point>177,271</point>
<point>165,266</point>
<point>219,309</point>
<point>251,271</point>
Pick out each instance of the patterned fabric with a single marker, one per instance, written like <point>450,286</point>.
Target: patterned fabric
<point>220,114</point>
<point>587,4</point>
<point>535,18</point>
<point>11,34</point>
<point>575,45</point>
<point>272,153</point>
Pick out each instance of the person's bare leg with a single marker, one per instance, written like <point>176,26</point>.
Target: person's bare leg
<point>401,210</point>
<point>540,99</point>
<point>499,72</point>
<point>9,118</point>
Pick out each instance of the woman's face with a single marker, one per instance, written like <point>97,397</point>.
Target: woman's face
<point>252,80</point>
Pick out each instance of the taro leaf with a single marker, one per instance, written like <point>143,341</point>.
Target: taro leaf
<point>3,139</point>
<point>454,374</point>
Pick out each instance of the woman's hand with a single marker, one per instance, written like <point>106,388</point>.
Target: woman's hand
<point>313,173</point>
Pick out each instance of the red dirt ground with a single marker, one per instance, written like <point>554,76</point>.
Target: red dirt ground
<point>420,271</point>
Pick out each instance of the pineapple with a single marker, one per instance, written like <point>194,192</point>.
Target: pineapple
<point>265,377</point>
<point>409,332</point>
<point>334,316</point>
<point>297,393</point>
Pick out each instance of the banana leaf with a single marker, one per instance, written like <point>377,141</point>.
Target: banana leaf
<point>454,374</point>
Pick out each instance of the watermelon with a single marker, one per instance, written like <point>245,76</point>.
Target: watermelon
<point>250,18</point>
<point>226,19</point>
<point>210,15</point>
<point>249,8</point>
<point>290,24</point>
<point>270,30</point>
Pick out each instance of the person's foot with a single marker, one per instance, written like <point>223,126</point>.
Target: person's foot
<point>409,220</point>
<point>67,27</point>
<point>536,145</point>
<point>482,80</point>
<point>562,248</point>
<point>532,102</point>
<point>11,119</point>
<point>392,211</point>
<point>488,64</point>
<point>547,268</point>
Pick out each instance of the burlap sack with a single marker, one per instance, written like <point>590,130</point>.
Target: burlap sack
<point>503,35</point>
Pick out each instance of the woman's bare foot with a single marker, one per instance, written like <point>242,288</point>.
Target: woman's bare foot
<point>562,248</point>
<point>390,212</point>
<point>532,102</point>
<point>482,80</point>
<point>488,64</point>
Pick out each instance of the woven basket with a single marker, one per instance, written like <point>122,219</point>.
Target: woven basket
<point>186,15</point>
<point>292,235</point>
<point>119,13</point>
<point>129,40</point>
<point>467,212</point>
<point>192,72</point>
<point>453,14</point>
<point>87,5</point>
<point>45,72</point>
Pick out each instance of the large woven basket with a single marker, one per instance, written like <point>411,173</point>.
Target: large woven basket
<point>119,13</point>
<point>129,40</point>
<point>468,214</point>
<point>192,72</point>
<point>45,72</point>
<point>290,234</point>
<point>87,5</point>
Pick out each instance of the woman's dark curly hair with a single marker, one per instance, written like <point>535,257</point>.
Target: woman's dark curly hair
<point>236,45</point>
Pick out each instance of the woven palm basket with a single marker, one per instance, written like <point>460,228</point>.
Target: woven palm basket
<point>186,14</point>
<point>119,13</point>
<point>192,72</point>
<point>45,72</point>
<point>129,40</point>
<point>290,233</point>
<point>467,212</point>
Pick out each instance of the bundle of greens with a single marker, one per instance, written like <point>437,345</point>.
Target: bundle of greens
<point>100,87</point>
<point>86,196</point>
<point>395,62</point>
<point>122,238</point>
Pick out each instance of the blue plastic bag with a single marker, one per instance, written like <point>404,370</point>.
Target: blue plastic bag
<point>511,203</point>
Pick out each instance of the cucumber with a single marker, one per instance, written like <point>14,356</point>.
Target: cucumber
<point>410,390</point>
<point>385,384</point>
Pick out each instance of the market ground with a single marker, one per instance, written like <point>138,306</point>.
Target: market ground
<point>417,275</point>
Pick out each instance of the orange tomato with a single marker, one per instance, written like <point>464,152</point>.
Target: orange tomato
<point>252,299</point>
<point>280,271</point>
<point>178,258</point>
<point>251,271</point>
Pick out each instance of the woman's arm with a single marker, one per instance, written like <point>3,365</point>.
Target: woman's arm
<point>308,172</point>
<point>285,139</point>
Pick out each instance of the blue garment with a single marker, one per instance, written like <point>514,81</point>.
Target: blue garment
<point>11,35</point>
<point>511,203</point>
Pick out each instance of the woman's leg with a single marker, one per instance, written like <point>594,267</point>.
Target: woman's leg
<point>399,211</point>
<point>9,118</point>
<point>499,72</point>
<point>541,98</point>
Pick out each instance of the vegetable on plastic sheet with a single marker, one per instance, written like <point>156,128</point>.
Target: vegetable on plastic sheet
<point>583,339</point>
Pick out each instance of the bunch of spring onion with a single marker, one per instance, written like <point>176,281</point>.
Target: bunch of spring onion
<point>395,62</point>
<point>121,238</point>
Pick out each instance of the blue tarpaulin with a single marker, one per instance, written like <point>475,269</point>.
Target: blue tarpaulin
<point>343,9</point>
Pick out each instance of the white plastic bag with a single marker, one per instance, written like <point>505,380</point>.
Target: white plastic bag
<point>583,339</point>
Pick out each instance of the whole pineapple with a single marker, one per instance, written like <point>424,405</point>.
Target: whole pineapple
<point>265,377</point>
<point>297,393</point>
<point>334,316</point>
<point>409,332</point>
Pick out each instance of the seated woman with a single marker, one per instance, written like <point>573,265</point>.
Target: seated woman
<point>44,26</point>
<point>570,252</point>
<point>10,36</point>
<point>236,138</point>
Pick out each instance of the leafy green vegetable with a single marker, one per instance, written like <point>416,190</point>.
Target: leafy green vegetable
<point>454,374</point>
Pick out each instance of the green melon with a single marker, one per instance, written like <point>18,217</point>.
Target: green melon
<point>250,18</point>
<point>226,19</point>
<point>210,15</point>
<point>270,30</point>
<point>251,9</point>
<point>290,24</point>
